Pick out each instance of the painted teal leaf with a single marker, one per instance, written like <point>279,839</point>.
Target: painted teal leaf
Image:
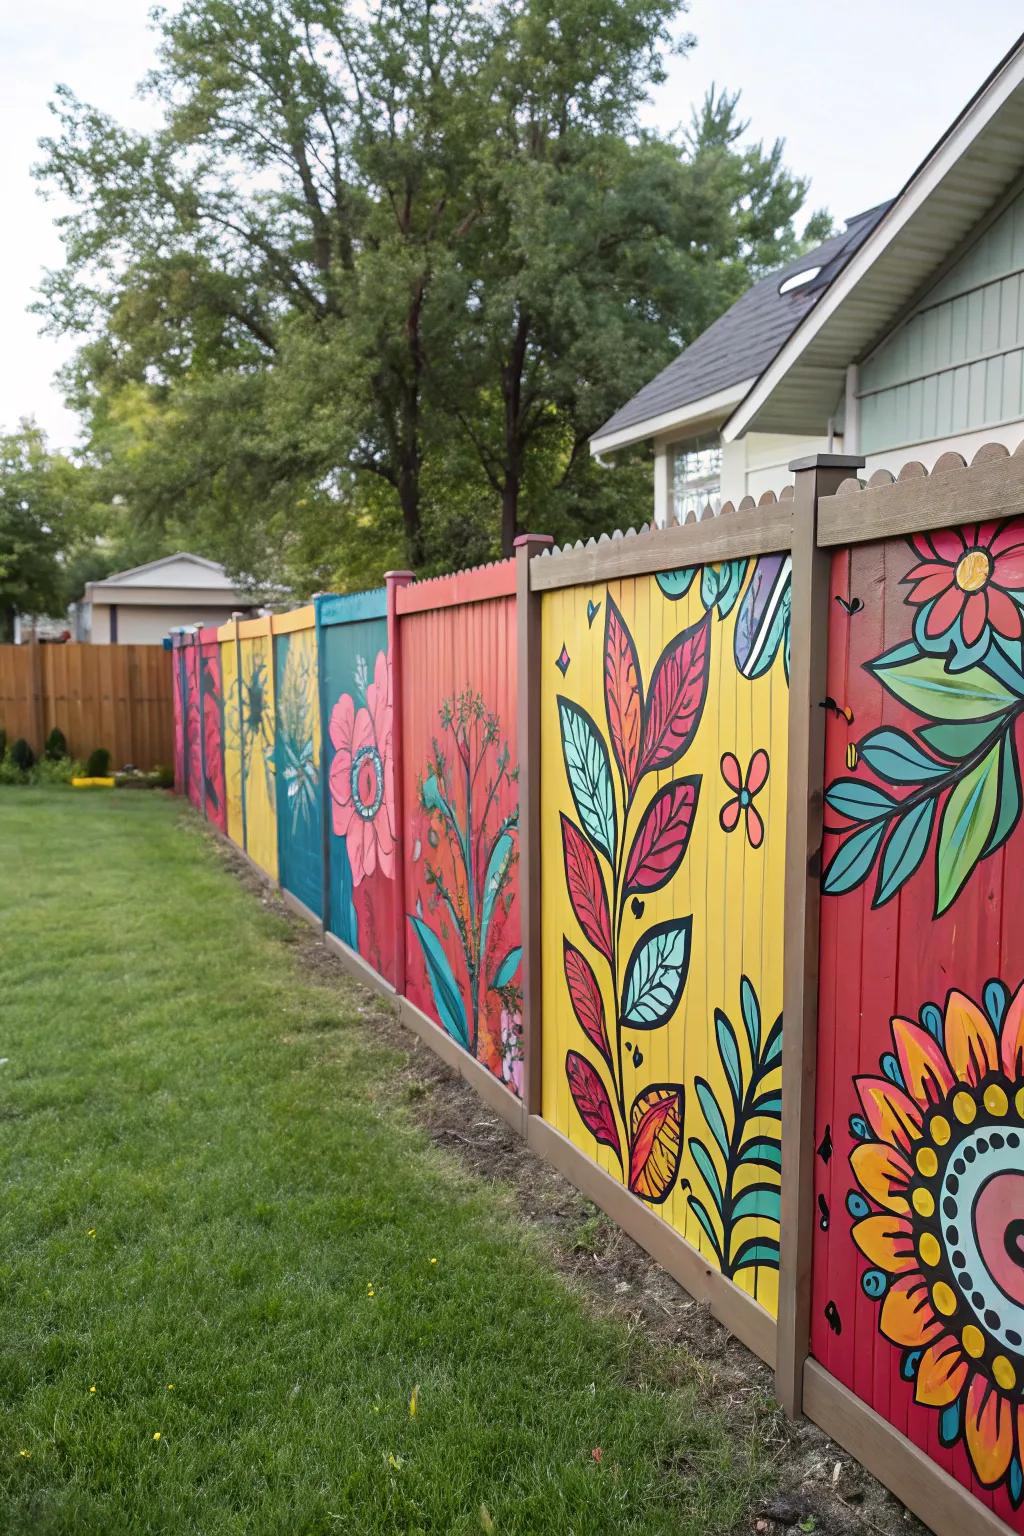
<point>967,824</point>
<point>907,846</point>
<point>708,1172</point>
<point>676,584</point>
<point>772,1046</point>
<point>1008,813</point>
<point>713,1115</point>
<point>859,801</point>
<point>853,860</point>
<point>751,1010</point>
<point>761,1201</point>
<point>589,772</point>
<point>958,739</point>
<point>922,682</point>
<point>768,1104</point>
<point>703,1216</point>
<point>507,969</point>
<point>730,585</point>
<point>729,1051</point>
<point>762,1251</point>
<point>656,974</point>
<point>433,799</point>
<point>765,1151</point>
<point>451,1009</point>
<point>497,864</point>
<point>897,758</point>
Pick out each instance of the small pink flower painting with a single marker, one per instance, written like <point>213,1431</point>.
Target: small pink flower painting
<point>362,789</point>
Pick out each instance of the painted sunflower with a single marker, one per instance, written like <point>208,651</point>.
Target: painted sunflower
<point>940,1160</point>
<point>967,588</point>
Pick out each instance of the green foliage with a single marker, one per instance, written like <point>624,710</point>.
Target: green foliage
<point>379,273</point>
<point>56,745</point>
<point>22,755</point>
<point>98,763</point>
<point>39,498</point>
<point>3,743</point>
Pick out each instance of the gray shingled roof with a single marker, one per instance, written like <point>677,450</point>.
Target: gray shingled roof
<point>741,343</point>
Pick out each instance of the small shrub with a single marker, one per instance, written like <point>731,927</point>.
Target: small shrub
<point>9,774</point>
<point>61,771</point>
<point>98,765</point>
<point>3,744</point>
<point>56,746</point>
<point>22,755</point>
<point>164,776</point>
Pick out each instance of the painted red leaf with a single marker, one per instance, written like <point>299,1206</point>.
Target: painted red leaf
<point>623,693</point>
<point>586,887</point>
<point>662,836</point>
<point>656,1141</point>
<point>590,1096</point>
<point>585,996</point>
<point>679,686</point>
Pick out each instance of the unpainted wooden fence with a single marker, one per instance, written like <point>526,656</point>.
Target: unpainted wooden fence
<point>113,696</point>
<point>694,851</point>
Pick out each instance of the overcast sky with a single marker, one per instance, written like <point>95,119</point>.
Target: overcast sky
<point>859,92</point>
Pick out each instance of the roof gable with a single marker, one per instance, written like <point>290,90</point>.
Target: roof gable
<point>180,570</point>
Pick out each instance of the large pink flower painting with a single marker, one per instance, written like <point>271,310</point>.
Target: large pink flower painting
<point>361,783</point>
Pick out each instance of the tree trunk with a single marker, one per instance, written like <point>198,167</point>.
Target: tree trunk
<point>515,446</point>
<point>7,616</point>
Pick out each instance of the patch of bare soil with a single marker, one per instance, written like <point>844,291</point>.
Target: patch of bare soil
<point>816,1486</point>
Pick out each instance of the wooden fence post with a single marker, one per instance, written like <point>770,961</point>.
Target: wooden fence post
<point>393,580</point>
<point>817,476</point>
<point>528,695</point>
<point>36,694</point>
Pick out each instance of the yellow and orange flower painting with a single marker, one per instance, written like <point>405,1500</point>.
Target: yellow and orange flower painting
<point>939,1216</point>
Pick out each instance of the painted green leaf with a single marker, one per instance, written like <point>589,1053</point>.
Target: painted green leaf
<point>751,1010</point>
<point>956,740</point>
<point>656,974</point>
<point>965,829</point>
<point>713,1115</point>
<point>759,1250</point>
<point>763,1150</point>
<point>769,1104</point>
<point>708,1172</point>
<point>676,584</point>
<point>858,800</point>
<point>734,573</point>
<point>508,967</point>
<point>432,799</point>
<point>907,846</point>
<point>853,860</point>
<point>451,1009</point>
<point>757,1200</point>
<point>1008,814</point>
<point>897,758</point>
<point>589,772</point>
<point>772,1046</point>
<point>497,865</point>
<point>703,1216</point>
<point>922,682</point>
<point>729,1051</point>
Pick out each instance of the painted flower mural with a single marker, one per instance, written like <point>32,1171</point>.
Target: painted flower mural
<point>967,588</point>
<point>958,771</point>
<point>939,1217</point>
<point>744,787</point>
<point>362,793</point>
<point>465,923</point>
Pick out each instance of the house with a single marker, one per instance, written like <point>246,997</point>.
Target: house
<point>900,338</point>
<point>139,607</point>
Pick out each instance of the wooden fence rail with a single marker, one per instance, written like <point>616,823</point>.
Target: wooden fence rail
<point>113,696</point>
<point>695,852</point>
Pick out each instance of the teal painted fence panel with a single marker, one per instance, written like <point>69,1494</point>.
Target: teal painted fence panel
<point>355,687</point>
<point>297,767</point>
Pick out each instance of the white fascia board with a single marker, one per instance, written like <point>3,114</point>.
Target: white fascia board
<point>917,191</point>
<point>695,412</point>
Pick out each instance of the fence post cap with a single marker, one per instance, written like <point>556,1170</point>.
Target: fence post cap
<point>522,539</point>
<point>828,461</point>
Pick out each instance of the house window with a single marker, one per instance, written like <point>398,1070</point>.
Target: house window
<point>697,477</point>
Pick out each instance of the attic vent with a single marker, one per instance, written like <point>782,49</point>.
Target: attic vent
<point>799,279</point>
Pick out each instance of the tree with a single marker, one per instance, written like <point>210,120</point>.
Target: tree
<point>39,498</point>
<point>392,265</point>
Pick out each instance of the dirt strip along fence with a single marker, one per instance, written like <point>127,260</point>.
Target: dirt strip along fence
<point>113,696</point>
<point>691,851</point>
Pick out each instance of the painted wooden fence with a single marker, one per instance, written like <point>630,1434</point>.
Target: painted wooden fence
<point>694,853</point>
<point>116,696</point>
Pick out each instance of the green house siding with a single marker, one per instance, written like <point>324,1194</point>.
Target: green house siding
<point>957,363</point>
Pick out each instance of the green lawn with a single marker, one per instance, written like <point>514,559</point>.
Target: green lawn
<point>218,1233</point>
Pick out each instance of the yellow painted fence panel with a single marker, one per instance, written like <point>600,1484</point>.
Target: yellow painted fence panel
<point>663,796</point>
<point>259,777</point>
<point>232,734</point>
